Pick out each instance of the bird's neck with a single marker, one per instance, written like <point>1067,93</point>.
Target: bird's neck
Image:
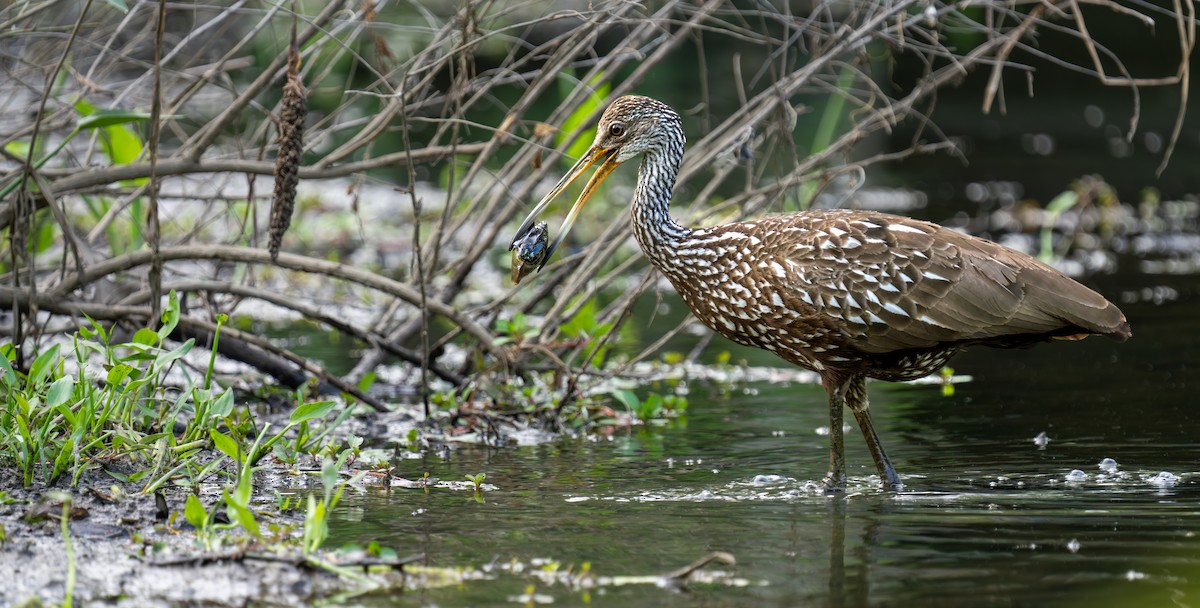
<point>655,229</point>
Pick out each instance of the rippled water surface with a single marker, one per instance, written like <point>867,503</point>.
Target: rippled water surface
<point>987,518</point>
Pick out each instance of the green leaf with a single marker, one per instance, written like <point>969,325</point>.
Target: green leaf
<point>18,148</point>
<point>223,405</point>
<point>1062,202</point>
<point>106,118</point>
<point>368,379</point>
<point>241,513</point>
<point>226,444</point>
<point>651,407</point>
<point>329,477</point>
<point>122,145</point>
<point>165,359</point>
<point>7,374</point>
<point>63,459</point>
<point>578,122</point>
<point>627,398</point>
<point>60,391</point>
<point>243,491</point>
<point>309,411</point>
<point>69,415</point>
<point>42,365</point>
<point>194,512</point>
<point>119,373</point>
<point>170,315</point>
<point>145,336</point>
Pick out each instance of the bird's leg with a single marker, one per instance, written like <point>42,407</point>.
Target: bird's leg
<point>855,395</point>
<point>835,479</point>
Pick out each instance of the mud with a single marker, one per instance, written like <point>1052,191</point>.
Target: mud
<point>126,555</point>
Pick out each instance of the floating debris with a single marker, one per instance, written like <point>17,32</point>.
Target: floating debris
<point>530,251</point>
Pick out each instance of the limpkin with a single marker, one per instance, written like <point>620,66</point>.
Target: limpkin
<point>847,294</point>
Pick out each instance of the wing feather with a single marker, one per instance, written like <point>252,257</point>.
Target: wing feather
<point>895,283</point>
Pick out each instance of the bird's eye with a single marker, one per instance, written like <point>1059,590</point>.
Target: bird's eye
<point>616,129</point>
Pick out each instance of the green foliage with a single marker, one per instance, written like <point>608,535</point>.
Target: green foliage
<point>947,376</point>
<point>316,519</point>
<point>654,408</point>
<point>477,479</point>
<point>1063,202</point>
<point>116,403</point>
<point>121,144</point>
<point>577,122</point>
<point>584,326</point>
<point>514,331</point>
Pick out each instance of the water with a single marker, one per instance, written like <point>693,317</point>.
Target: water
<point>1063,475</point>
<point>988,517</point>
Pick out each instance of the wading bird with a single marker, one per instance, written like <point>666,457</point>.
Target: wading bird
<point>847,294</point>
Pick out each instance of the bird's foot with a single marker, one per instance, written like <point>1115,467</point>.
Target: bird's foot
<point>889,479</point>
<point>834,483</point>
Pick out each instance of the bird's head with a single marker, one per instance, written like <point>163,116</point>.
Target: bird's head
<point>630,126</point>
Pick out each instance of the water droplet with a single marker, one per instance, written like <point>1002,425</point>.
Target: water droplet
<point>1076,475</point>
<point>1042,440</point>
<point>1108,465</point>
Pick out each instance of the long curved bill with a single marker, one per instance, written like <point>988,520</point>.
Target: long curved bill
<point>594,155</point>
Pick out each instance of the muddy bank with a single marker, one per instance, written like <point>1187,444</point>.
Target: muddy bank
<point>127,554</point>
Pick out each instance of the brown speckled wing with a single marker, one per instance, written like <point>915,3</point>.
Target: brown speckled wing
<point>896,284</point>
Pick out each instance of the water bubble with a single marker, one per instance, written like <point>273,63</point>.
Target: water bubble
<point>767,480</point>
<point>1108,465</point>
<point>1163,480</point>
<point>1042,440</point>
<point>1076,475</point>
<point>1073,546</point>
